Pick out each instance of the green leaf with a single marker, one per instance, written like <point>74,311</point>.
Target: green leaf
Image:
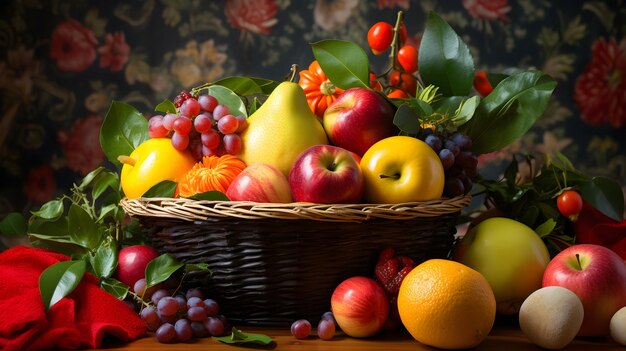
<point>344,63</point>
<point>59,280</point>
<point>466,110</point>
<point>161,268</point>
<point>212,195</point>
<point>105,181</point>
<point>266,85</point>
<point>511,173</point>
<point>90,177</point>
<point>254,105</point>
<point>104,261</point>
<point>509,111</point>
<point>227,97</point>
<point>407,120</point>
<point>190,267</point>
<point>13,225</point>
<point>166,188</point>
<point>605,195</point>
<point>444,59</point>
<point>50,210</point>
<point>107,210</point>
<point>239,337</point>
<point>546,227</point>
<point>166,106</point>
<point>123,129</point>
<point>115,287</point>
<point>240,85</point>
<point>56,227</point>
<point>495,78</point>
<point>83,228</point>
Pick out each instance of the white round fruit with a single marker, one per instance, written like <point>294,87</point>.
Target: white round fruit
<point>618,326</point>
<point>551,317</point>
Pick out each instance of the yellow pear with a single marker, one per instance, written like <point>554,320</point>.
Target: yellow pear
<point>281,129</point>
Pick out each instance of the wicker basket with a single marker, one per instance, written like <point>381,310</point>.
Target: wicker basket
<point>275,263</point>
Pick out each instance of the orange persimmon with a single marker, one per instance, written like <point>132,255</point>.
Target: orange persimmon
<point>212,173</point>
<point>319,90</point>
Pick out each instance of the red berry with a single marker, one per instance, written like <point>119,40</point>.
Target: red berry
<point>181,97</point>
<point>407,56</point>
<point>379,37</point>
<point>482,84</point>
<point>570,203</point>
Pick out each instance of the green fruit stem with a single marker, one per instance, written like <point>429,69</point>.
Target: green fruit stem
<point>395,41</point>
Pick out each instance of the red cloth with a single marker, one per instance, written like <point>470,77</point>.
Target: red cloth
<point>78,320</point>
<point>594,227</point>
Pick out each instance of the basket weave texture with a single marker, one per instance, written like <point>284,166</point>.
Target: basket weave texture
<point>275,263</point>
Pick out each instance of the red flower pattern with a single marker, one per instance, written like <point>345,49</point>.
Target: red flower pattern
<point>115,51</point>
<point>488,9</point>
<point>81,145</point>
<point>40,184</point>
<point>600,91</point>
<point>255,16</point>
<point>73,46</point>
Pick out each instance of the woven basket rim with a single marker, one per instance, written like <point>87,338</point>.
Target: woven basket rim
<point>199,210</point>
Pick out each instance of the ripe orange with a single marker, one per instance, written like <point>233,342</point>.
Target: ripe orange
<point>446,304</point>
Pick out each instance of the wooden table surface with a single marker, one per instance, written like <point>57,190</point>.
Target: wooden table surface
<point>501,338</point>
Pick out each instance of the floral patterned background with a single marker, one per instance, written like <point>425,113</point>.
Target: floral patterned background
<point>63,61</point>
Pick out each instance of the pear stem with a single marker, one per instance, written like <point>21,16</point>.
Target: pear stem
<point>127,160</point>
<point>294,70</point>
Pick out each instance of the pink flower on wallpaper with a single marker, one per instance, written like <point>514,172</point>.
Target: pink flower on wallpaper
<point>488,9</point>
<point>600,91</point>
<point>255,16</point>
<point>115,52</point>
<point>393,3</point>
<point>81,145</point>
<point>40,185</point>
<point>73,46</point>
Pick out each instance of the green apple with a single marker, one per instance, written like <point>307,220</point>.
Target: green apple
<point>510,255</point>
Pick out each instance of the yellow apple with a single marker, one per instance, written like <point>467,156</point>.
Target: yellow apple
<point>510,255</point>
<point>152,162</point>
<point>401,169</point>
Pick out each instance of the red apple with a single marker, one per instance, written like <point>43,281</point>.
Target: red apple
<point>260,182</point>
<point>598,276</point>
<point>357,119</point>
<point>132,262</point>
<point>326,174</point>
<point>360,306</point>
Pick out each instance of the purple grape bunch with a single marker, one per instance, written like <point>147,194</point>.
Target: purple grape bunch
<point>201,124</point>
<point>459,162</point>
<point>179,317</point>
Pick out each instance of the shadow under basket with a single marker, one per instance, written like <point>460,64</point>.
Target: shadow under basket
<point>275,263</point>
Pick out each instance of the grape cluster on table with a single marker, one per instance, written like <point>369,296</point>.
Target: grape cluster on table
<point>179,317</point>
<point>459,162</point>
<point>201,124</point>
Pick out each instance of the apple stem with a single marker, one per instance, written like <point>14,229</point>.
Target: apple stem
<point>580,266</point>
<point>394,176</point>
<point>127,160</point>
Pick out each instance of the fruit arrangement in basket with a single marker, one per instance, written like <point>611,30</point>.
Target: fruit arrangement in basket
<point>344,134</point>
